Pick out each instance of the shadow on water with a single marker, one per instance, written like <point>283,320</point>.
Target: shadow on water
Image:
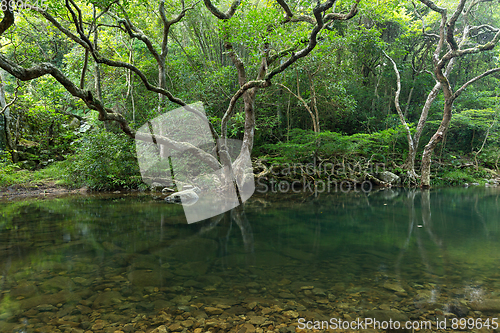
<point>110,263</point>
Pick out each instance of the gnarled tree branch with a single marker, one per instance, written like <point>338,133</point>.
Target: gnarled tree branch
<point>95,104</point>
<point>7,20</point>
<point>220,15</point>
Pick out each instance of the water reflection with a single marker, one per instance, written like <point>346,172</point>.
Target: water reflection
<point>106,262</point>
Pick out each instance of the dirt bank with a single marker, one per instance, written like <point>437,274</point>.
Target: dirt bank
<point>43,189</point>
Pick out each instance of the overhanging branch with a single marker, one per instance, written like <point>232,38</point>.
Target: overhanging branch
<point>95,104</point>
<point>220,15</point>
<point>7,20</point>
<point>462,88</point>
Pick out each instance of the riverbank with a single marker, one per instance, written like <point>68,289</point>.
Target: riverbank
<point>42,189</point>
<point>53,181</point>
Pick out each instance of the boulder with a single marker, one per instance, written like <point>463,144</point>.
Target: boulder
<point>58,283</point>
<point>156,187</point>
<point>184,197</point>
<point>144,278</point>
<point>385,315</point>
<point>25,290</point>
<point>257,320</point>
<point>211,311</point>
<point>396,287</point>
<point>389,178</point>
<point>247,328</point>
<point>191,249</point>
<point>74,124</point>
<point>486,305</point>
<point>160,329</point>
<point>61,297</point>
<point>107,299</point>
<point>192,269</point>
<point>167,190</point>
<point>458,309</point>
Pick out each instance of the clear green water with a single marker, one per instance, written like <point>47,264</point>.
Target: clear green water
<point>107,263</point>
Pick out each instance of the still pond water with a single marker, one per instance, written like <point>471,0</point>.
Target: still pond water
<point>127,263</point>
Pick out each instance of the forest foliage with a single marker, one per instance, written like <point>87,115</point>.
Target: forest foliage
<point>336,103</point>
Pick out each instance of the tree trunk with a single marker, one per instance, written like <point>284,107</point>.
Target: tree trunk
<point>409,99</point>
<point>84,69</point>
<point>97,68</point>
<point>431,97</point>
<point>279,108</point>
<point>314,101</point>
<point>446,33</point>
<point>375,93</point>
<point>410,159</point>
<point>411,143</point>
<point>6,141</point>
<point>162,80</point>
<point>249,132</point>
<point>429,148</point>
<point>315,123</point>
<point>3,121</point>
<point>161,98</point>
<point>412,153</point>
<point>98,88</point>
<point>130,82</point>
<point>450,98</point>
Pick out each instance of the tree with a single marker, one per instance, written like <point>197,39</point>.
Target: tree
<point>447,33</point>
<point>443,63</point>
<point>313,109</point>
<point>117,17</point>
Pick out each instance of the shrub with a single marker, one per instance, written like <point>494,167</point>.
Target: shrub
<point>491,157</point>
<point>477,100</point>
<point>303,145</point>
<point>468,129</point>
<point>457,177</point>
<point>105,161</point>
<point>7,169</point>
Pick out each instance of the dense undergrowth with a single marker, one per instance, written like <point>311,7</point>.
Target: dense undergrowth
<point>101,160</point>
<point>381,151</point>
<point>104,160</point>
